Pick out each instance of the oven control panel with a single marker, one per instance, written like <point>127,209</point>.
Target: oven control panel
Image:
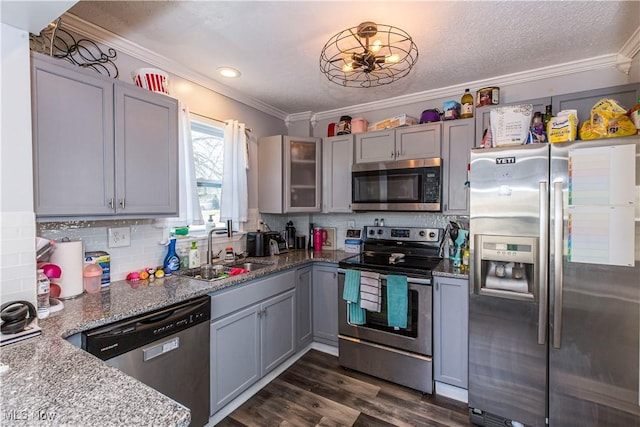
<point>409,234</point>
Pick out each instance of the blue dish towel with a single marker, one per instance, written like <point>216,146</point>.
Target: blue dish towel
<point>397,301</point>
<point>351,294</point>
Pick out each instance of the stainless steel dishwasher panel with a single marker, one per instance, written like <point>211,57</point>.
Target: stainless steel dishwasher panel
<point>166,349</point>
<point>162,365</point>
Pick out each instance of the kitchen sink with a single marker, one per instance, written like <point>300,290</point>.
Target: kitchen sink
<point>250,266</point>
<point>221,273</point>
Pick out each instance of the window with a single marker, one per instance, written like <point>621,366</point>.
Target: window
<point>208,142</point>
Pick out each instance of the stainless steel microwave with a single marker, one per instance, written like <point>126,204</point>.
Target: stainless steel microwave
<point>403,185</point>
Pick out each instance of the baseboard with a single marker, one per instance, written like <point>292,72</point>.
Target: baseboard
<point>248,393</point>
<point>452,392</point>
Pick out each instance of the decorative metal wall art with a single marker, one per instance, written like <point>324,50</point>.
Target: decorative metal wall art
<point>60,43</point>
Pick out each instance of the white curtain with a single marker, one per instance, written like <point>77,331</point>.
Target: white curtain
<point>189,205</point>
<point>235,198</point>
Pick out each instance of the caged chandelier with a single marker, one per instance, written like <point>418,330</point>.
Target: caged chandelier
<point>368,55</point>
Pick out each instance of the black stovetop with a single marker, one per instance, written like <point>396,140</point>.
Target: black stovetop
<point>398,250</point>
<point>388,264</point>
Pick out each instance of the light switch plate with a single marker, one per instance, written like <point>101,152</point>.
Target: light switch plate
<point>351,224</point>
<point>119,237</point>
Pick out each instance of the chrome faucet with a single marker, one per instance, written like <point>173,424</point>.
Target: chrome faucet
<point>209,246</point>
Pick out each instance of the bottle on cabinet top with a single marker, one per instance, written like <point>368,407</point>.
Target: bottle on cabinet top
<point>466,110</point>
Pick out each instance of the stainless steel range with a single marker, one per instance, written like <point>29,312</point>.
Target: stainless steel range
<point>399,355</point>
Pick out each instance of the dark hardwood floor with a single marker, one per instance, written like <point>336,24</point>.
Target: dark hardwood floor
<point>317,391</point>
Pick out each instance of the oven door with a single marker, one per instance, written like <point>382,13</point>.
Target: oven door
<point>415,338</point>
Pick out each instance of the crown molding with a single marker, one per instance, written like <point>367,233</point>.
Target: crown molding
<point>631,48</point>
<point>622,61</point>
<point>100,35</point>
<point>628,51</point>
<point>604,61</point>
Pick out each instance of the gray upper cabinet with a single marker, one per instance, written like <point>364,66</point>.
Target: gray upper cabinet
<point>146,126</point>
<point>482,114</point>
<point>289,174</point>
<point>378,146</point>
<point>626,95</point>
<point>457,142</point>
<point>404,143</point>
<point>101,147</point>
<point>337,158</point>
<point>418,142</point>
<point>451,331</point>
<point>73,141</point>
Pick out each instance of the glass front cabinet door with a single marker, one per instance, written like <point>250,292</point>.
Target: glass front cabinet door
<point>302,179</point>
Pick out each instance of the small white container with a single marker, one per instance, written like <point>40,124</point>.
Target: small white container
<point>353,246</point>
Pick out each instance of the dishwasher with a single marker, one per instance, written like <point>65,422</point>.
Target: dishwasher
<point>167,349</point>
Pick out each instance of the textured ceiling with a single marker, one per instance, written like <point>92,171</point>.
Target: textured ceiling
<point>276,44</point>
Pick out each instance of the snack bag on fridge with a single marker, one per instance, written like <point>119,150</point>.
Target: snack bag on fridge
<point>608,120</point>
<point>563,127</point>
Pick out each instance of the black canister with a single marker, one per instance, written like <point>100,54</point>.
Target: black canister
<point>301,242</point>
<point>344,127</point>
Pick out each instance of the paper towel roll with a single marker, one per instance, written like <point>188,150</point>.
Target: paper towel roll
<point>69,256</point>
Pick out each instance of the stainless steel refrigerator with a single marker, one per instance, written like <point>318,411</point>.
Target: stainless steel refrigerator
<point>554,309</point>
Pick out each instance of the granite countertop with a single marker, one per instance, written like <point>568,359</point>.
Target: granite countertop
<point>446,269</point>
<point>46,380</point>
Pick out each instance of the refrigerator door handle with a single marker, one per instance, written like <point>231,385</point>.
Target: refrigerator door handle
<point>558,228</point>
<point>543,270</point>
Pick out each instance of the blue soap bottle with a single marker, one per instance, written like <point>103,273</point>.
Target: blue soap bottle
<point>171,261</point>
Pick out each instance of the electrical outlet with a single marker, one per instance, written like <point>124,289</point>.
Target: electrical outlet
<point>351,224</point>
<point>119,237</point>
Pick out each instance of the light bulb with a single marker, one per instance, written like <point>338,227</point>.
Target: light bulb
<point>228,72</point>
<point>391,58</point>
<point>347,67</point>
<point>377,45</point>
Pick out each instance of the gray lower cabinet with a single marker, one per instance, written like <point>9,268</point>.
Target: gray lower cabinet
<point>457,142</point>
<point>304,297</point>
<point>451,331</point>
<point>325,304</point>
<point>253,330</point>
<point>101,147</point>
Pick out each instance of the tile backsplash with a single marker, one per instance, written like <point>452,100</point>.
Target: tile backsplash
<point>148,242</point>
<point>17,256</point>
<point>148,237</point>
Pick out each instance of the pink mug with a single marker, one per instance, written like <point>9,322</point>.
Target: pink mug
<point>320,237</point>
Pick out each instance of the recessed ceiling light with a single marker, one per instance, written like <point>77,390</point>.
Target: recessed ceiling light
<point>228,72</point>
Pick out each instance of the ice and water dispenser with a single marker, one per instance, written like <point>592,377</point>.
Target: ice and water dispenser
<point>506,266</point>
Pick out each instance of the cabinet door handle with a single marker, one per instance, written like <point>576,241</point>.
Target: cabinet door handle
<point>437,286</point>
<point>111,203</point>
<point>392,154</point>
<point>397,153</point>
<point>122,203</point>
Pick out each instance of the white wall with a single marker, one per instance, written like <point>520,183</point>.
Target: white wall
<point>17,221</point>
